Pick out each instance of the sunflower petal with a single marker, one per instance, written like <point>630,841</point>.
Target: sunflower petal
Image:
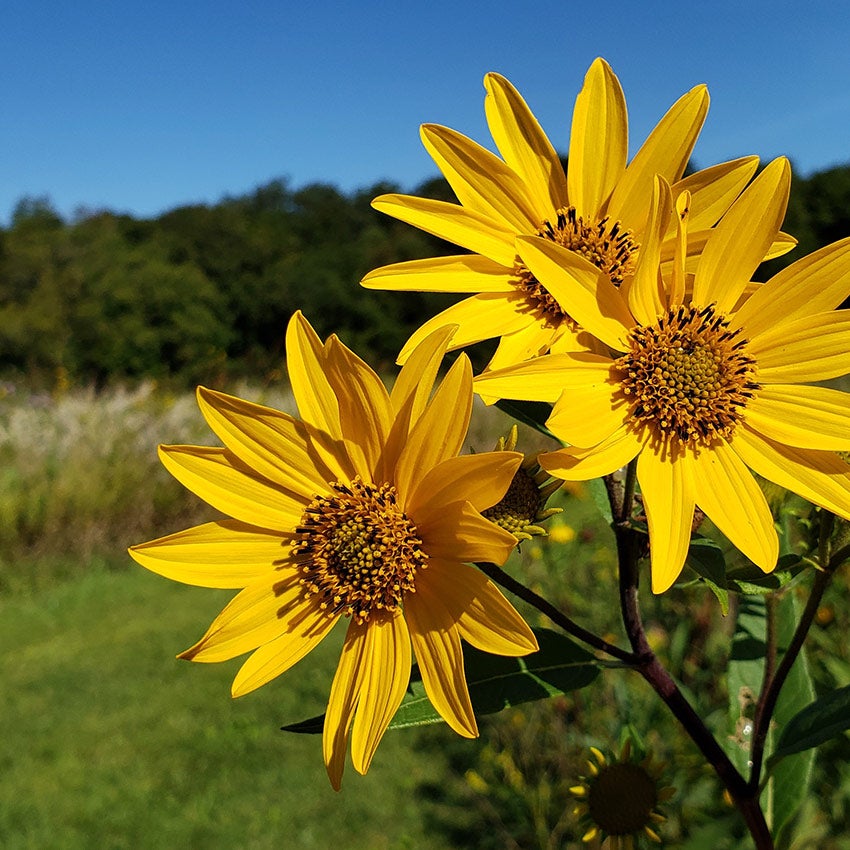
<point>668,499</point>
<point>387,660</point>
<point>276,657</point>
<point>730,496</point>
<point>481,181</point>
<point>472,230</point>
<point>261,612</point>
<point>440,431</point>
<point>482,479</point>
<point>477,318</point>
<point>580,288</point>
<point>583,464</point>
<point>345,694</point>
<point>540,379</point>
<point>218,477</point>
<point>305,359</point>
<point>598,141</point>
<point>464,273</point>
<point>217,554</point>
<point>531,341</point>
<point>589,412</point>
<point>820,477</point>
<point>666,152</point>
<point>807,417</point>
<point>741,239</point>
<point>814,284</point>
<point>812,348</point>
<point>436,644</point>
<point>365,413</point>
<point>713,190</point>
<point>647,299</point>
<point>274,444</point>
<point>457,532</point>
<point>483,616</point>
<point>524,145</point>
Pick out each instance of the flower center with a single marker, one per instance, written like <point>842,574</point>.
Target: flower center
<point>688,375</point>
<point>519,507</point>
<point>604,243</point>
<point>621,799</point>
<point>358,550</point>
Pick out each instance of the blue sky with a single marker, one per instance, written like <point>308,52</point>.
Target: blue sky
<point>143,106</point>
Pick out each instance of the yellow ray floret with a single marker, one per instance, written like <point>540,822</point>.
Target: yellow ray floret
<point>363,510</point>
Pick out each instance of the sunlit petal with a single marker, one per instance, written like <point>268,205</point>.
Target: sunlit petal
<point>464,273</point>
<point>583,464</point>
<point>217,554</point>
<point>524,145</point>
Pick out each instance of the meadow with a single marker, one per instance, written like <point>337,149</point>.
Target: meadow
<point>110,742</point>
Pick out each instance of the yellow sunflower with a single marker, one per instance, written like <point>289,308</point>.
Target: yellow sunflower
<point>361,509</point>
<point>597,209</point>
<point>695,387</point>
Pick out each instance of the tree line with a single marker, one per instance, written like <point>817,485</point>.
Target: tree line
<point>205,291</point>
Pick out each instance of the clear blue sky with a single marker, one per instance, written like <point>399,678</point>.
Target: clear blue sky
<point>143,106</point>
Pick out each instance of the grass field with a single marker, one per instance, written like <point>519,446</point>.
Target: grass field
<point>108,741</point>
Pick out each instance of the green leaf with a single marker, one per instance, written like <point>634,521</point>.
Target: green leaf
<point>818,722</point>
<point>790,780</point>
<point>707,560</point>
<point>599,494</point>
<point>752,580</point>
<point>497,682</point>
<point>531,413</point>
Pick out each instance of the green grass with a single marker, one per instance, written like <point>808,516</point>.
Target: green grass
<point>110,742</point>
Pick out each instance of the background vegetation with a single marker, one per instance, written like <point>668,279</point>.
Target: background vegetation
<point>108,740</point>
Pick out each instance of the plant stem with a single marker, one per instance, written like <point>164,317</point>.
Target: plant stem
<point>554,614</point>
<point>654,672</point>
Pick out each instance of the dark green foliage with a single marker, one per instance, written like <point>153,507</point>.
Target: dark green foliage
<point>205,291</point>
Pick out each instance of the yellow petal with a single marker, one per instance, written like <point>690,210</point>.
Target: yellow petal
<point>807,417</point>
<point>304,362</point>
<point>477,318</point>
<point>440,431</point>
<point>273,443</point>
<point>713,190</point>
<point>216,554</point>
<point>472,230</point>
<point>583,464</point>
<point>820,477</point>
<point>482,614</point>
<point>665,152</point>
<point>742,238</point>
<point>580,288</point>
<point>540,379</point>
<point>276,657</point>
<point>481,479</point>
<point>814,284</point>
<point>588,412</point>
<point>728,493</point>
<point>783,243</point>
<point>457,532</point>
<point>436,643</point>
<point>679,276</point>
<point>387,659</point>
<point>412,388</point>
<point>219,479</point>
<point>647,300</point>
<point>345,694</point>
<point>365,413</point>
<point>261,612</point>
<point>531,341</point>
<point>481,181</point>
<point>812,348</point>
<point>598,141</point>
<point>524,145</point>
<point>668,498</point>
<point>464,273</point>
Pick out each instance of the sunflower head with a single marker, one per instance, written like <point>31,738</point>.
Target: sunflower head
<point>524,504</point>
<point>617,802</point>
